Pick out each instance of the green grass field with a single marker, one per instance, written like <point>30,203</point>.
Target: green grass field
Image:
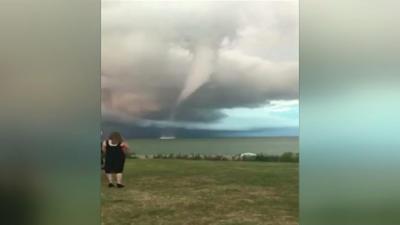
<point>185,192</point>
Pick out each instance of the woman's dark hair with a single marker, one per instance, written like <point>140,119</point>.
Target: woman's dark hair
<point>116,138</point>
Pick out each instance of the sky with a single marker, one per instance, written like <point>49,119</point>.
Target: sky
<point>200,69</point>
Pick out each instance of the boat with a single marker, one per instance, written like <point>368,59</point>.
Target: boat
<point>167,137</point>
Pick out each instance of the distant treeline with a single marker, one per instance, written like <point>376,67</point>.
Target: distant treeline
<point>285,157</point>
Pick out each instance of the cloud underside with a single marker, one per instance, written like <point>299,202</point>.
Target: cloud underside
<point>149,49</point>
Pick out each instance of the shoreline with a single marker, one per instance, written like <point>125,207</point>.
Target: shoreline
<point>285,157</point>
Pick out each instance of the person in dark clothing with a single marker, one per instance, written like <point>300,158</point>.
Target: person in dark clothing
<point>114,149</point>
<point>101,156</point>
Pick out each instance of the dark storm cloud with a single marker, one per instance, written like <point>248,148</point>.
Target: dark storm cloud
<point>148,49</point>
<point>188,114</point>
<point>138,131</point>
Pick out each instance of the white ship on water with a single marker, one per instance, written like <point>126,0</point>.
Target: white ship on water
<point>167,137</point>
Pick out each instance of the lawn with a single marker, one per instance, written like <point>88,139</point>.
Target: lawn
<point>186,192</point>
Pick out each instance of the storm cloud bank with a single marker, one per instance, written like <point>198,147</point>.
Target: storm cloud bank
<point>204,57</point>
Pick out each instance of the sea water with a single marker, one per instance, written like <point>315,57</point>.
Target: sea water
<point>224,146</point>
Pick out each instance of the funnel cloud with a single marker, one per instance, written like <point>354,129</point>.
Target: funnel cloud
<point>200,71</point>
<point>200,67</point>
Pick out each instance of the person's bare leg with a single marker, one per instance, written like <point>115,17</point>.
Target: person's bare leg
<point>119,180</point>
<point>109,178</point>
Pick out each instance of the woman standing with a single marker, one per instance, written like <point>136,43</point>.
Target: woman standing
<point>114,149</point>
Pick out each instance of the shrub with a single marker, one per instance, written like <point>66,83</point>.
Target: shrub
<point>133,156</point>
<point>267,158</point>
<point>289,157</point>
<point>285,157</point>
<point>196,157</point>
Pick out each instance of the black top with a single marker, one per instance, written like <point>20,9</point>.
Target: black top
<point>114,158</point>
